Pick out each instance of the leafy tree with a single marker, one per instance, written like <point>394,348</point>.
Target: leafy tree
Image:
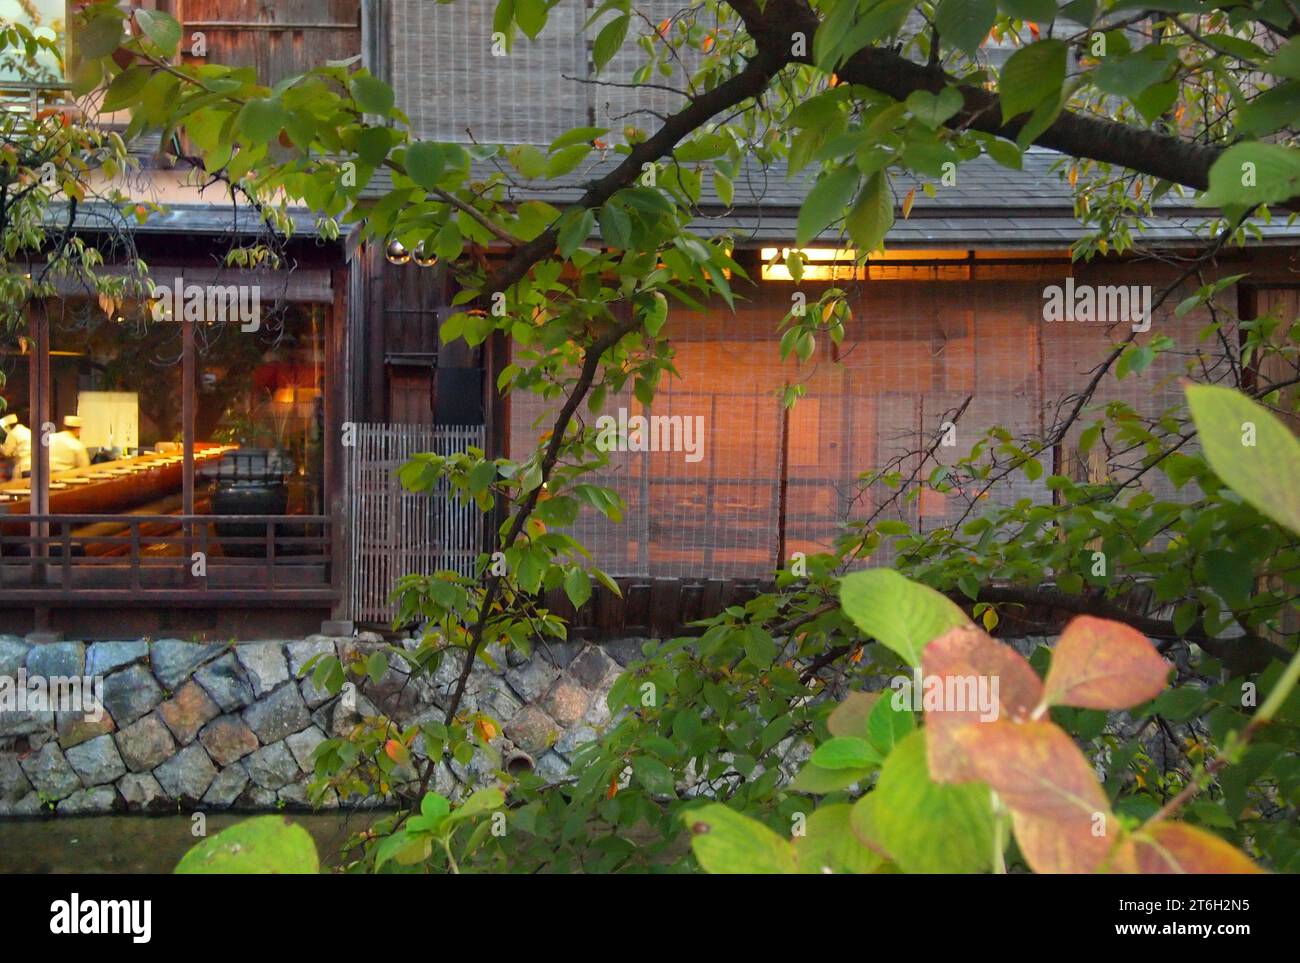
<point>1141,100</point>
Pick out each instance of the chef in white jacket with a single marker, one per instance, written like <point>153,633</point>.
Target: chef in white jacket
<point>17,445</point>
<point>66,450</point>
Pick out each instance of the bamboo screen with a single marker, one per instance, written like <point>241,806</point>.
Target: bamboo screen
<point>913,353</point>
<point>453,87</point>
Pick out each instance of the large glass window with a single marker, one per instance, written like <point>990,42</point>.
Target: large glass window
<point>115,395</point>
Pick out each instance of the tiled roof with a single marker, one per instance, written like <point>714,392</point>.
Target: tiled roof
<point>989,206</point>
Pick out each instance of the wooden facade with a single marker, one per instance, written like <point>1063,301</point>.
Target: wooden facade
<point>930,329</point>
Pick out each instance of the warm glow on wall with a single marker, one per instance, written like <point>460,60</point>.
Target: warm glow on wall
<point>846,264</point>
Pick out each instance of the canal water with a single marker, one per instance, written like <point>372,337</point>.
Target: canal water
<point>141,844</point>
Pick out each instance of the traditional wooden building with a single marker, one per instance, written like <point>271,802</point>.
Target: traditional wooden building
<point>242,481</point>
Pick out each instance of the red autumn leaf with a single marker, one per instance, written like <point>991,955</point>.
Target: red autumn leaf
<point>396,751</point>
<point>1060,814</point>
<point>956,659</point>
<point>1100,664</point>
<point>1166,847</point>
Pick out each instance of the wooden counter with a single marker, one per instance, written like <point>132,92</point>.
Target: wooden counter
<point>111,486</point>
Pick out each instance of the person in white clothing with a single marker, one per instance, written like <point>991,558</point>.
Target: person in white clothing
<point>17,445</point>
<point>66,450</point>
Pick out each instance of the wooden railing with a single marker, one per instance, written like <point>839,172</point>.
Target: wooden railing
<point>87,558</point>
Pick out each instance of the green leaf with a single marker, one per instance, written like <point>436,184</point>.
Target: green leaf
<point>1251,450</point>
<point>98,37</point>
<point>872,215</point>
<point>928,827</point>
<point>1032,75</point>
<point>965,23</point>
<point>615,227</point>
<point>825,203</point>
<point>654,775</point>
<point>577,586</point>
<point>567,159</point>
<point>888,726</point>
<point>1286,62</point>
<point>934,109</point>
<point>482,801</point>
<point>1130,74</point>
<point>760,648</point>
<point>817,781</point>
<point>125,87</point>
<point>830,846</point>
<point>528,160</point>
<point>578,135</point>
<point>703,147</point>
<point>377,666</point>
<point>727,842</point>
<point>531,16</point>
<point>161,28</point>
<point>1179,705</point>
<point>575,228</point>
<point>904,615</point>
<point>372,95</point>
<point>264,844</point>
<point>1273,109</point>
<point>434,809</point>
<point>1231,576</point>
<point>425,162</point>
<point>609,41</point>
<point>1041,12</point>
<point>846,752</point>
<point>261,120</point>
<point>1252,174</point>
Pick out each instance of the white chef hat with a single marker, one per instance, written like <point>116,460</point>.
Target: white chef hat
<point>8,421</point>
<point>71,421</point>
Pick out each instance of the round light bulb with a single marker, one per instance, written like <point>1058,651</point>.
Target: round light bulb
<point>397,252</point>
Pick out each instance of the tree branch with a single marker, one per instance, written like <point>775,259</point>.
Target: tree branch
<point>882,69</point>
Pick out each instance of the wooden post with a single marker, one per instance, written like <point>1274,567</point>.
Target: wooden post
<point>39,402</point>
<point>783,486</point>
<point>188,404</point>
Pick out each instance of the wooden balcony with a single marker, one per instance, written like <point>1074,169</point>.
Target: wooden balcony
<point>255,560</point>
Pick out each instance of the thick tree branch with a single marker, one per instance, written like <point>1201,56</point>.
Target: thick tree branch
<point>750,82</point>
<point>880,68</point>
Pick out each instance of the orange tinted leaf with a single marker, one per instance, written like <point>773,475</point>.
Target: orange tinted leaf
<point>968,654</point>
<point>396,752</point>
<point>1060,814</point>
<point>1100,664</point>
<point>1166,847</point>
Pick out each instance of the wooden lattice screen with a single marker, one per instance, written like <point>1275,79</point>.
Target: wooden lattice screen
<point>393,532</point>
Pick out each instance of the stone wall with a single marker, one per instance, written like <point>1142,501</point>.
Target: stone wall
<point>210,726</point>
